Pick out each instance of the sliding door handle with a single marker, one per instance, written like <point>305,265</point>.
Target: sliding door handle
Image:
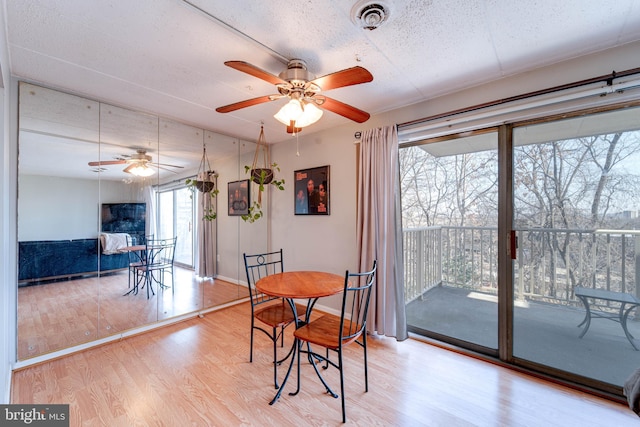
<point>513,244</point>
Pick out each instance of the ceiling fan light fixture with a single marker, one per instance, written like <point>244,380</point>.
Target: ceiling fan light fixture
<point>301,113</point>
<point>289,111</point>
<point>309,116</point>
<point>139,169</point>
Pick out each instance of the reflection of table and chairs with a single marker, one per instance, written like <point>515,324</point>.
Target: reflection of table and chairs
<point>330,332</point>
<point>156,258</point>
<point>136,252</point>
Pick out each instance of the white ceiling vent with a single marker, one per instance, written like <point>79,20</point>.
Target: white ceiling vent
<point>369,14</point>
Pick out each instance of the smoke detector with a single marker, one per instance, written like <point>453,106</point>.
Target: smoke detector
<point>369,14</point>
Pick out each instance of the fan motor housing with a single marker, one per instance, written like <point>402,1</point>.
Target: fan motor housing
<point>141,155</point>
<point>296,73</point>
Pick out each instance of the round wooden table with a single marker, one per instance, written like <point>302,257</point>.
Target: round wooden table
<point>290,285</point>
<point>301,284</point>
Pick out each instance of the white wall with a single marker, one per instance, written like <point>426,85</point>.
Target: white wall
<point>234,236</point>
<point>317,242</point>
<point>54,208</point>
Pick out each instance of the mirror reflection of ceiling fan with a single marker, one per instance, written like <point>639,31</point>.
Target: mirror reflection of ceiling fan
<point>303,91</point>
<point>139,164</point>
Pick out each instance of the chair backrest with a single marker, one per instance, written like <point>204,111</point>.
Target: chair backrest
<point>258,266</point>
<point>133,256</point>
<point>161,252</point>
<point>355,304</point>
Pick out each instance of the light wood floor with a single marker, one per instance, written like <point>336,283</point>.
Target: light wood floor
<point>197,373</point>
<point>62,314</point>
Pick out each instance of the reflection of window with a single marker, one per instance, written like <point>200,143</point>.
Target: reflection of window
<point>175,219</point>
<point>165,215</point>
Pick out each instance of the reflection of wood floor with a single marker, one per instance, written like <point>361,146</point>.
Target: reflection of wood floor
<point>57,315</point>
<point>197,373</point>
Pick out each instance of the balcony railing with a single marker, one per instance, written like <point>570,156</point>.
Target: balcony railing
<point>550,263</point>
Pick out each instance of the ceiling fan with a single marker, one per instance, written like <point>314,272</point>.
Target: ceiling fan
<point>138,163</point>
<point>303,91</point>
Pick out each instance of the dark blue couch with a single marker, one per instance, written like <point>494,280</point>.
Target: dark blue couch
<point>51,259</point>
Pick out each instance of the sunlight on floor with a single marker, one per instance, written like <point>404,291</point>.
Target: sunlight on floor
<point>494,298</point>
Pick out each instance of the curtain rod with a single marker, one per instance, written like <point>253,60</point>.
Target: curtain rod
<point>608,78</point>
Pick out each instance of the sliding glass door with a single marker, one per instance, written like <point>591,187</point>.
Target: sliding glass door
<point>569,214</point>
<point>449,214</point>
<point>576,200</point>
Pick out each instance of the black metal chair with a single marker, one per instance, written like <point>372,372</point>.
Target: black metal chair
<point>160,254</point>
<point>334,333</point>
<point>137,258</point>
<point>274,312</point>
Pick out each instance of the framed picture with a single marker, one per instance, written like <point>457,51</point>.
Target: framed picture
<point>311,188</point>
<point>239,196</point>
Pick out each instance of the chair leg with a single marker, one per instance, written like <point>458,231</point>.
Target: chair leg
<point>344,413</point>
<point>148,278</point>
<point>150,284</point>
<point>251,346</point>
<point>364,345</point>
<point>275,358</point>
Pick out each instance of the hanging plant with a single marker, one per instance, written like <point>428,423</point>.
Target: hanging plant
<point>262,173</point>
<point>205,183</point>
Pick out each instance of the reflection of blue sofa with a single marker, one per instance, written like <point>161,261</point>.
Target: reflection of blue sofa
<point>50,259</point>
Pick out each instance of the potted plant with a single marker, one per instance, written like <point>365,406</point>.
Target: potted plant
<point>205,183</point>
<point>262,173</point>
<point>264,177</point>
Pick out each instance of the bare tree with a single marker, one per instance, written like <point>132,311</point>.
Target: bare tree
<point>573,184</point>
<point>449,190</point>
<point>423,184</point>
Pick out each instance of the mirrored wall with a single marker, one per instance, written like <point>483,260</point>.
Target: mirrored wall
<point>83,218</point>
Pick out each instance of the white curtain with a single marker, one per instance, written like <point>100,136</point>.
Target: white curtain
<point>150,195</point>
<point>379,231</point>
<point>206,254</point>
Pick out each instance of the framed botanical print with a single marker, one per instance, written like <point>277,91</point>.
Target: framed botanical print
<point>311,187</point>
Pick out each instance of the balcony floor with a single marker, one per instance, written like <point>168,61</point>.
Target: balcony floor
<point>543,333</point>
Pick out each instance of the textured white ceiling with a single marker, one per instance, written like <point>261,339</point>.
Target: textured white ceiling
<point>166,56</point>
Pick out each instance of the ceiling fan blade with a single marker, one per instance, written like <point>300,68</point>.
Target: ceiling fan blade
<point>348,77</point>
<point>159,166</point>
<point>108,162</point>
<point>243,104</point>
<point>164,164</point>
<point>245,67</point>
<point>345,110</point>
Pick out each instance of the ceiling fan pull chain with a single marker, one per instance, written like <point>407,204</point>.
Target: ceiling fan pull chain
<point>297,147</point>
